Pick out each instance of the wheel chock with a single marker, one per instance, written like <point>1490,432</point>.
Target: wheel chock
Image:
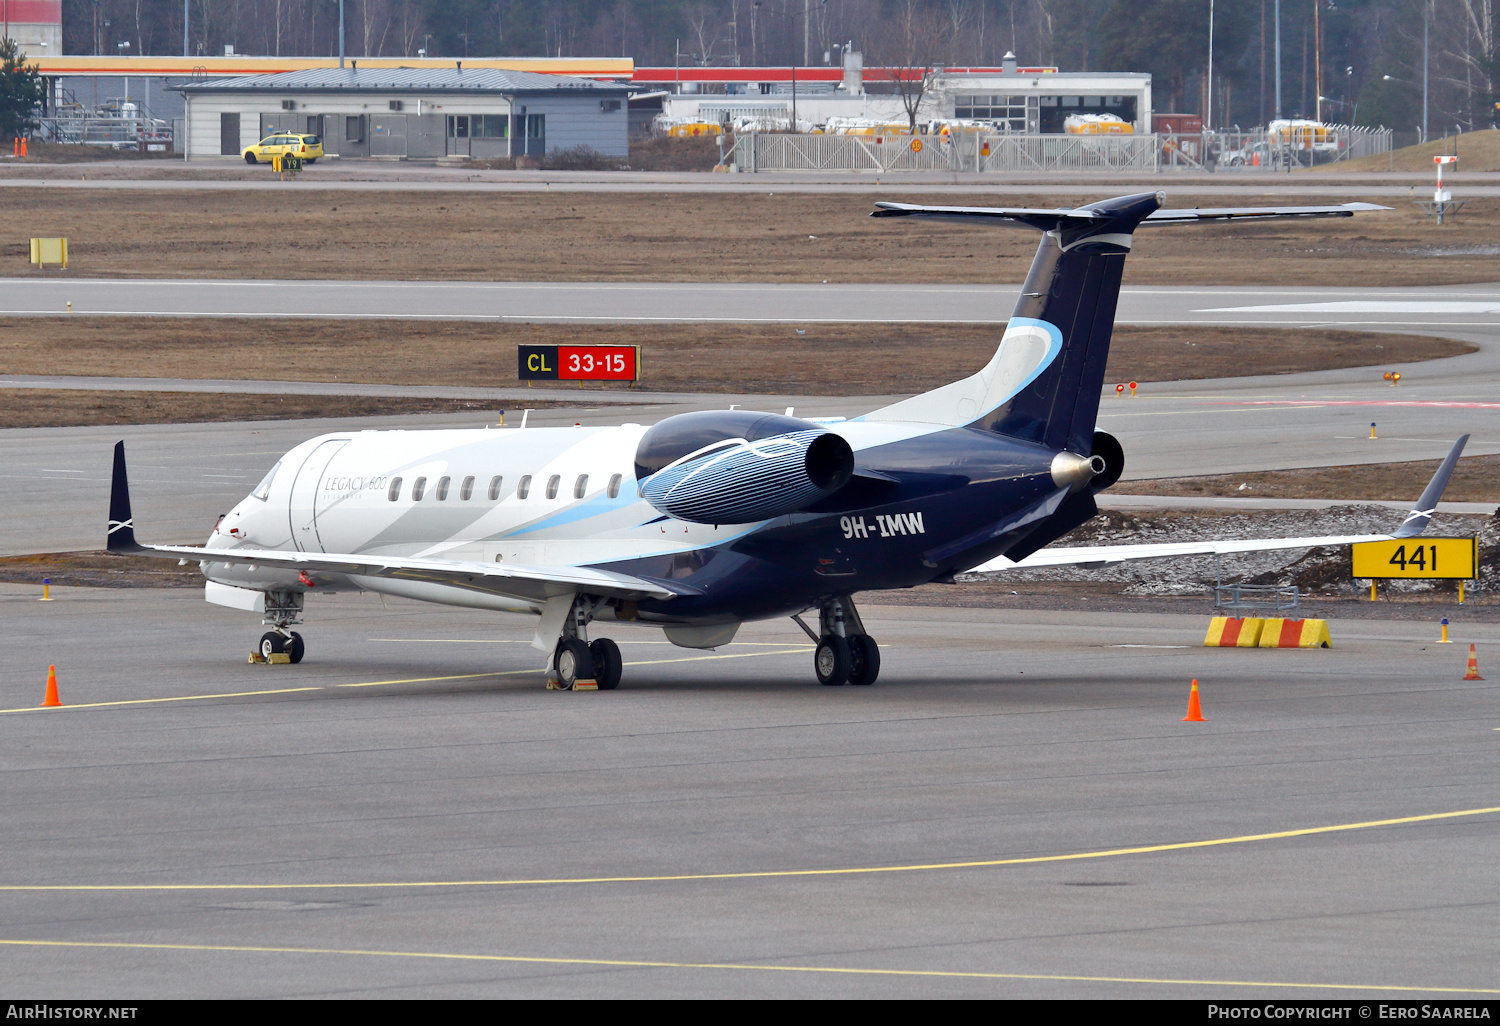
<point>256,657</point>
<point>280,657</point>
<point>582,684</point>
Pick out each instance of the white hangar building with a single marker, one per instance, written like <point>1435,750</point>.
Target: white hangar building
<point>407,112</point>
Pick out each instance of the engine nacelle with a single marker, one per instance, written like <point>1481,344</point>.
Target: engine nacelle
<point>738,466</point>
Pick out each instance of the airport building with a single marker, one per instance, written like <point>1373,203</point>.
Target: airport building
<point>1030,101</point>
<point>407,112</point>
<point>35,25</point>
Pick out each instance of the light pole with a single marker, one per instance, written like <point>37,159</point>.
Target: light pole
<point>806,10</point>
<point>1423,126</point>
<point>341,33</point>
<point>1208,117</point>
<point>185,52</point>
<point>1426,20</point>
<point>1278,60</point>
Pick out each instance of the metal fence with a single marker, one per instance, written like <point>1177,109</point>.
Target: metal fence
<point>1240,599</point>
<point>1003,153</point>
<point>116,133</point>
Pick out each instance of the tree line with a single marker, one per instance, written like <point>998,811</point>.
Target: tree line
<point>1363,57</point>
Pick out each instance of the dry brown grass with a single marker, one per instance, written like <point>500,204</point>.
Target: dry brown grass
<point>830,359</point>
<point>1475,479</point>
<point>739,237</point>
<point>30,408</point>
<point>1477,151</point>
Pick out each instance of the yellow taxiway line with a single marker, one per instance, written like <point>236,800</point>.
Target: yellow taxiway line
<point>768,873</point>
<point>382,683</point>
<point>621,963</point>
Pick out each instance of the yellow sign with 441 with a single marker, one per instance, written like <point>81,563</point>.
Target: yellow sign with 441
<point>1439,558</point>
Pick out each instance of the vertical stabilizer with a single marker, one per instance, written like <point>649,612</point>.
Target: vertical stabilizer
<point>1044,381</point>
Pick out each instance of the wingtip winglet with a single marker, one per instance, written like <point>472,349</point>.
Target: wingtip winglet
<point>1421,515</point>
<point>120,534</point>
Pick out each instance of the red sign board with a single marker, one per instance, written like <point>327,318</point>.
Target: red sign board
<point>578,363</point>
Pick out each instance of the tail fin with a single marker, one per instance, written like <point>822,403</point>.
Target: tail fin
<point>1421,515</point>
<point>1044,381</point>
<point>120,536</point>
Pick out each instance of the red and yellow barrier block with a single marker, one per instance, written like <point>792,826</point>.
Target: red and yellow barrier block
<point>1268,632</point>
<point>1295,634</point>
<point>1234,632</point>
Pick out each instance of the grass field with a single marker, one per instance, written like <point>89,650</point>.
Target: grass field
<point>739,237</point>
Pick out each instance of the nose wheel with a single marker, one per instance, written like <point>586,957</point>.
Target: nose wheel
<point>274,643</point>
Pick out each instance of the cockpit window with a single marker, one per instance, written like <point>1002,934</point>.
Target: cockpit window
<point>263,490</point>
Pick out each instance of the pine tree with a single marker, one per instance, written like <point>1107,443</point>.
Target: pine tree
<point>21,92</point>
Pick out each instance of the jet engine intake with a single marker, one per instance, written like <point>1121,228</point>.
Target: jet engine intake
<point>742,479</point>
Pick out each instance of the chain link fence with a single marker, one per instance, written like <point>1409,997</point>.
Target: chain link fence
<point>1004,153</point>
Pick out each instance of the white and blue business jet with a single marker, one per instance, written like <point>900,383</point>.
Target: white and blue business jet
<point>706,520</point>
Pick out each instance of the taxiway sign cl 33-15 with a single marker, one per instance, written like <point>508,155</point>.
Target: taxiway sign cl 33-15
<point>706,520</point>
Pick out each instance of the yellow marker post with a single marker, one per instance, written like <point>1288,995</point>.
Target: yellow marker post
<point>46,590</point>
<point>1444,639</point>
<point>1372,429</point>
<point>1460,592</point>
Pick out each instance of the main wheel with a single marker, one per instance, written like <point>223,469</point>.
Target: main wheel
<point>607,663</point>
<point>270,644</point>
<point>831,661</point>
<point>572,663</point>
<point>864,659</point>
<point>250,158</point>
<point>295,648</point>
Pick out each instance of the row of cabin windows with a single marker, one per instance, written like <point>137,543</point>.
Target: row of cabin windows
<point>523,489</point>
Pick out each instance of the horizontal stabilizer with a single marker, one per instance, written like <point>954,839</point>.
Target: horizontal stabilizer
<point>1047,220</point>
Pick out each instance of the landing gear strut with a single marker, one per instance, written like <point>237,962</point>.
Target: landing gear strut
<point>282,610</point>
<point>845,653</point>
<point>580,664</point>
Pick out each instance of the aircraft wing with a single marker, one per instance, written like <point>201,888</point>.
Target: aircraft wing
<point>1093,556</point>
<point>526,582</point>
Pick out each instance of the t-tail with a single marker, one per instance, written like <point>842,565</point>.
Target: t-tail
<point>1044,382</point>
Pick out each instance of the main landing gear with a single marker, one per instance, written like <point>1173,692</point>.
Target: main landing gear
<point>579,664</point>
<point>845,653</point>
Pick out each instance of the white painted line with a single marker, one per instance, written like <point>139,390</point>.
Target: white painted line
<point>1367,306</point>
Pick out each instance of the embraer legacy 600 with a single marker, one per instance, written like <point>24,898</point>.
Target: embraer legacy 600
<point>706,520</point>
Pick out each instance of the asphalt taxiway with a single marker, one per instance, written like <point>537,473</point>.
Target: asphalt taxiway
<point>408,813</point>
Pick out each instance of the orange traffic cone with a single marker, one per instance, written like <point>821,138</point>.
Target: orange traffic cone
<point>1195,711</point>
<point>51,696</point>
<point>1473,673</point>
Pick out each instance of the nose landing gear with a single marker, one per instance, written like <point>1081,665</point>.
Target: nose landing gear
<point>281,610</point>
<point>274,643</point>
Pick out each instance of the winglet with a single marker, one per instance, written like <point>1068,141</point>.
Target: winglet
<point>120,536</point>
<point>1421,515</point>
